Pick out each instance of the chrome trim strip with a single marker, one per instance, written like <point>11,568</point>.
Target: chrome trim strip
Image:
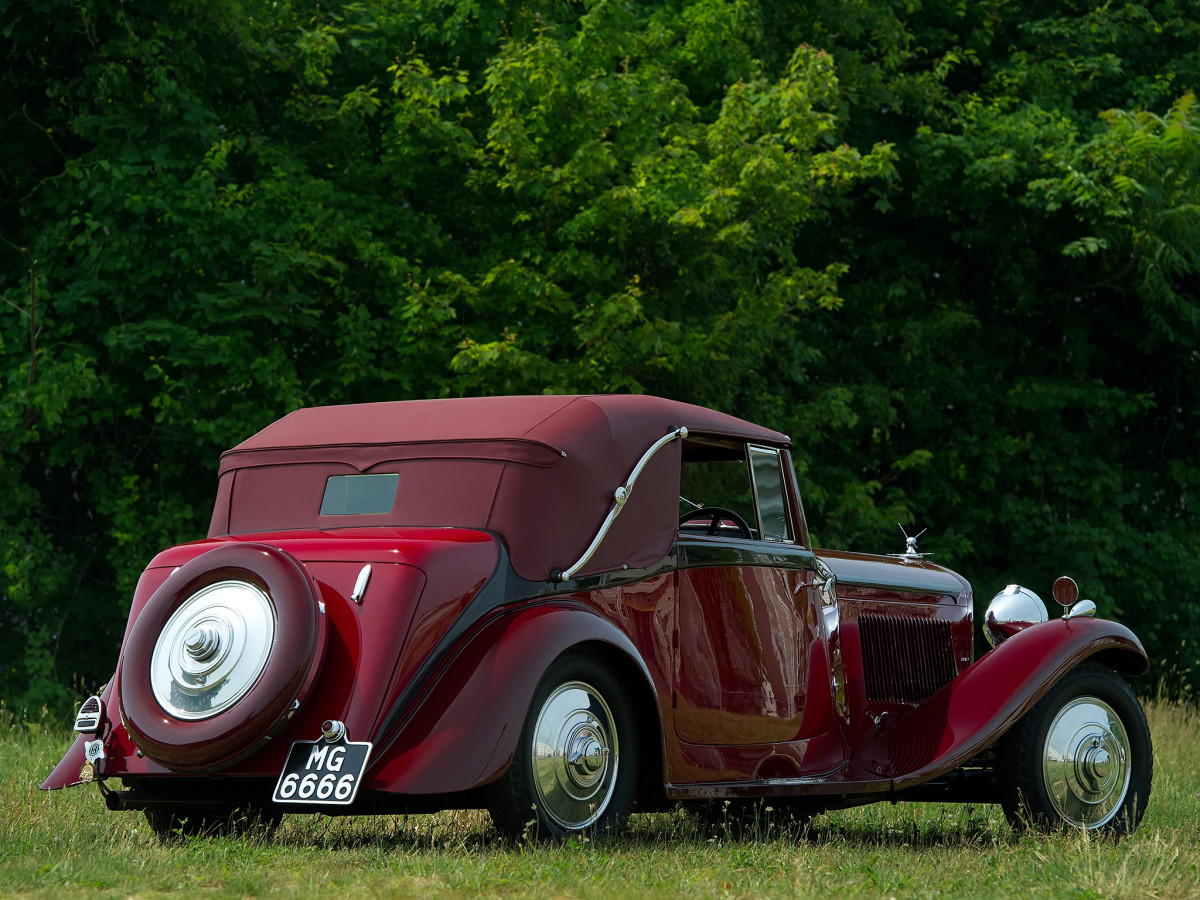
<point>620,498</point>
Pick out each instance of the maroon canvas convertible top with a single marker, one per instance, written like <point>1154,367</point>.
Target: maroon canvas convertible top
<point>538,470</point>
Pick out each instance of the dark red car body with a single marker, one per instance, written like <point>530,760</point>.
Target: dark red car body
<point>748,670</point>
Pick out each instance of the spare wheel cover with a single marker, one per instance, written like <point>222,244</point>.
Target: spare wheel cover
<point>219,656</point>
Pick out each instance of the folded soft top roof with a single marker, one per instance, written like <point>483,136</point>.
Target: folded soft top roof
<point>537,470</point>
<point>556,421</point>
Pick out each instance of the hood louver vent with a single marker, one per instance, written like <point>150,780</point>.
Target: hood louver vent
<point>905,660</point>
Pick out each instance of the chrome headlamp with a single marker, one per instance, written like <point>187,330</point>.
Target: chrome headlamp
<point>1010,611</point>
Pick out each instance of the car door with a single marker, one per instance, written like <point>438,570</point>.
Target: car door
<point>747,610</point>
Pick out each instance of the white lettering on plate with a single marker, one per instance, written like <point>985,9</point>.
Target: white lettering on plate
<point>318,756</point>
<point>337,756</point>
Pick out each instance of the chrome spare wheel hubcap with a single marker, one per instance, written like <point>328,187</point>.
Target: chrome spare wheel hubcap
<point>202,643</point>
<point>212,650</point>
<point>575,755</point>
<point>1087,763</point>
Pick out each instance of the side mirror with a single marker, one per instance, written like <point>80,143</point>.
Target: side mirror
<point>1066,591</point>
<point>828,589</point>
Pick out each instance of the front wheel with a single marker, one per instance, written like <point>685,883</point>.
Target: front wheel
<point>576,765</point>
<point>1081,758</point>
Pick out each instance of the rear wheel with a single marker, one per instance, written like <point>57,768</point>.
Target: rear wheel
<point>1081,758</point>
<point>576,765</point>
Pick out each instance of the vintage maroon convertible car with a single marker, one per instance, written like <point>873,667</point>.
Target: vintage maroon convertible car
<point>566,608</point>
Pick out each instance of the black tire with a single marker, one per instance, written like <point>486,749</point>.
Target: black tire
<point>1098,777</point>
<point>170,825</point>
<point>579,706</point>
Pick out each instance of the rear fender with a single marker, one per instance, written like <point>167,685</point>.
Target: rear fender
<point>465,731</point>
<point>988,698</point>
<point>66,773</point>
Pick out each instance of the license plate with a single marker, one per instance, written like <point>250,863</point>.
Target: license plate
<point>321,772</point>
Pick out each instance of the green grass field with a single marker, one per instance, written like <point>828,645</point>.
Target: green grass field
<point>66,842</point>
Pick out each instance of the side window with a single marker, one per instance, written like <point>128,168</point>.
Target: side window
<point>767,469</point>
<point>715,477</point>
<point>728,475</point>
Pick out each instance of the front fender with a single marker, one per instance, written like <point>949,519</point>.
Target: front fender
<point>465,732</point>
<point>988,698</point>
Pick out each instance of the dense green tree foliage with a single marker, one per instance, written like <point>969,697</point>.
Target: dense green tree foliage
<point>952,248</point>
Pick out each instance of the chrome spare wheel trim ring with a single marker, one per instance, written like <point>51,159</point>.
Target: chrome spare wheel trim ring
<point>575,756</point>
<point>1086,763</point>
<point>212,650</point>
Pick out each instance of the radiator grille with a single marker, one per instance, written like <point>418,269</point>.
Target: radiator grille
<point>905,660</point>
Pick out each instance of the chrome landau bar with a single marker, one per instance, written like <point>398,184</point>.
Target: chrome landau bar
<point>620,498</point>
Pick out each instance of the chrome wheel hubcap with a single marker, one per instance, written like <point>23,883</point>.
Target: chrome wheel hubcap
<point>1086,764</point>
<point>212,650</point>
<point>575,755</point>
